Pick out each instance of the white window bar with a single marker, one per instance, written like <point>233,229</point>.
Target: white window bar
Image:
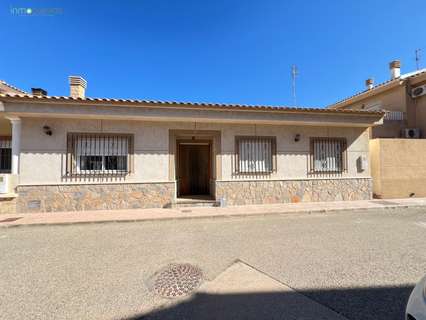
<point>93,154</point>
<point>328,155</point>
<point>255,155</point>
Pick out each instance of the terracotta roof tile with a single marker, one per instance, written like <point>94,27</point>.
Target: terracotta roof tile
<point>187,104</point>
<point>381,85</point>
<point>13,87</point>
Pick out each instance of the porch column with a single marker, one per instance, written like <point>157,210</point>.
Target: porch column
<point>16,143</point>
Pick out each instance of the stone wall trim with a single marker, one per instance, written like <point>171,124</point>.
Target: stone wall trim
<point>288,191</point>
<point>55,198</point>
<point>8,205</point>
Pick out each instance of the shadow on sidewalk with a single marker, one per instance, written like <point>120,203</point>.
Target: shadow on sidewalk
<point>383,303</point>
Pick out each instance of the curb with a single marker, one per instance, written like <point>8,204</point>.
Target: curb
<point>218,216</point>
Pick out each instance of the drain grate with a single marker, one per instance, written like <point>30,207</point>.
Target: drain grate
<point>10,219</point>
<point>177,280</point>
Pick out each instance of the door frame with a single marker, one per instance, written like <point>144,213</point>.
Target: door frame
<point>194,141</point>
<point>216,149</point>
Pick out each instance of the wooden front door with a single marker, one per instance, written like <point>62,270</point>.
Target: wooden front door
<point>193,168</point>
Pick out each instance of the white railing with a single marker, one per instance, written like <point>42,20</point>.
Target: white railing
<point>394,115</point>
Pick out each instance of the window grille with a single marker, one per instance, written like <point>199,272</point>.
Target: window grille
<point>255,155</point>
<point>99,154</point>
<point>5,154</point>
<point>328,155</point>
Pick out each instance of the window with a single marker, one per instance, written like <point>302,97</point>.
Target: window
<point>5,154</point>
<point>328,155</point>
<point>255,155</point>
<point>99,153</point>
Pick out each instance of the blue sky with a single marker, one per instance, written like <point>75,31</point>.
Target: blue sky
<point>224,51</point>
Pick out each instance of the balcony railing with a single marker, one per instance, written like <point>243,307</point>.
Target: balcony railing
<point>394,116</point>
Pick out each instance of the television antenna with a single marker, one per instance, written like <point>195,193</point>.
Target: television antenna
<point>418,58</point>
<point>294,74</point>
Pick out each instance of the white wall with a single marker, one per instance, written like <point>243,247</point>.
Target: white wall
<point>292,157</point>
<point>43,157</point>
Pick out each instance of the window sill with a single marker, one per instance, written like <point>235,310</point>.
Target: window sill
<point>8,195</point>
<point>91,174</point>
<point>88,175</point>
<point>326,172</point>
<point>253,173</point>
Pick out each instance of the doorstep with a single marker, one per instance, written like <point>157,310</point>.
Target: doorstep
<point>9,220</point>
<point>195,201</point>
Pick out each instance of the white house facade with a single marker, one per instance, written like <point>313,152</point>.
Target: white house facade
<point>77,153</point>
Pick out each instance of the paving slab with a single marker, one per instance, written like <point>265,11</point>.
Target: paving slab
<point>242,292</point>
<point>10,220</point>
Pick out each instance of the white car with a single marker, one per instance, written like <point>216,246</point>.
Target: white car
<point>416,306</point>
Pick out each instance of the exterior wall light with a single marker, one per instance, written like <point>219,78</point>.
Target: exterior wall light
<point>297,137</point>
<point>47,130</point>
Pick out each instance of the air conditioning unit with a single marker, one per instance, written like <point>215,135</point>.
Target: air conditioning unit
<point>418,91</point>
<point>412,133</point>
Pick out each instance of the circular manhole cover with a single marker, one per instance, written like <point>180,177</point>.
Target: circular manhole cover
<point>177,280</point>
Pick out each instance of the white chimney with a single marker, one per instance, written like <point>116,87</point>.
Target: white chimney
<point>369,83</point>
<point>77,87</point>
<point>395,69</point>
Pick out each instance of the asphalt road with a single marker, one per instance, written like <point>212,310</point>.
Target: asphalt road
<point>361,265</point>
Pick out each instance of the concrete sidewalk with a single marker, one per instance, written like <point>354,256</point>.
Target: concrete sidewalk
<point>9,220</point>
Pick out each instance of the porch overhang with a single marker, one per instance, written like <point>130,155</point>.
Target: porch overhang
<point>180,112</point>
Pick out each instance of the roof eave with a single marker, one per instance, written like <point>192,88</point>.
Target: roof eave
<point>366,94</point>
<point>181,105</point>
<point>418,79</point>
<point>189,113</point>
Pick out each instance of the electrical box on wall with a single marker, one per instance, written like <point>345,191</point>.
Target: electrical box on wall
<point>4,183</point>
<point>362,163</point>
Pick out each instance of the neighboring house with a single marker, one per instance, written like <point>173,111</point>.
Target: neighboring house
<point>402,97</point>
<point>398,156</point>
<point>78,153</point>
<point>8,88</point>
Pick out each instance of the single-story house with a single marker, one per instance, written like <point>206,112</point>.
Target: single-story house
<point>62,153</point>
